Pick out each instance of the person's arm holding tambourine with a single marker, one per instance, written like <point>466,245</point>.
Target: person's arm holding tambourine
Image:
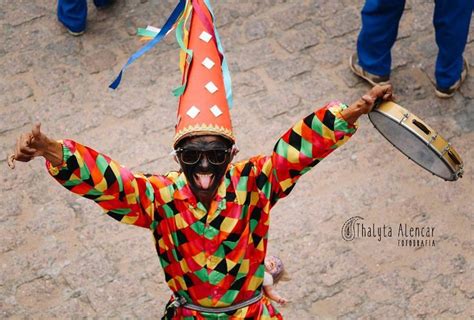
<point>365,104</point>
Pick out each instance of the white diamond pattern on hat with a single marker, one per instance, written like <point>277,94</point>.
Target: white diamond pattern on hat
<point>204,36</point>
<point>193,112</point>
<point>216,111</point>
<point>211,87</point>
<point>208,63</point>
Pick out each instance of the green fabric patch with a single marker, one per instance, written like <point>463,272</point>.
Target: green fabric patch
<point>202,275</point>
<point>210,232</point>
<point>168,211</point>
<point>101,163</point>
<point>306,148</point>
<point>198,227</point>
<point>229,296</point>
<point>243,182</point>
<point>122,211</point>
<point>215,277</point>
<point>317,125</point>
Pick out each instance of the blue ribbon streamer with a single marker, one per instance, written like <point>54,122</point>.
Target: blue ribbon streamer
<point>164,30</point>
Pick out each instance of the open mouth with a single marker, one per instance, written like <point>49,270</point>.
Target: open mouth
<point>204,180</point>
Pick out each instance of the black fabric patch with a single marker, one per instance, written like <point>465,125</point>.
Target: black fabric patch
<point>237,285</point>
<point>261,181</point>
<point>246,170</point>
<point>222,267</point>
<point>309,120</point>
<point>329,119</point>
<point>114,215</point>
<point>295,140</point>
<point>109,176</point>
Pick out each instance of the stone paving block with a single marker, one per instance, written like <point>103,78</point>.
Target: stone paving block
<point>315,87</point>
<point>346,21</point>
<point>401,55</point>
<point>261,51</point>
<point>427,304</point>
<point>292,15</point>
<point>276,104</point>
<point>422,19</point>
<point>15,91</point>
<point>99,61</point>
<point>56,106</point>
<point>387,312</point>
<point>329,8</point>
<point>301,37</point>
<point>248,83</point>
<point>331,54</point>
<point>93,268</point>
<point>255,29</point>
<point>13,117</point>
<point>286,69</point>
<point>39,294</point>
<point>55,79</point>
<point>467,90</point>
<point>412,83</point>
<point>349,78</point>
<point>427,47</point>
<point>17,63</point>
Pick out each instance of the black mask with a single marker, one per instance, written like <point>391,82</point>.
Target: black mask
<point>204,161</point>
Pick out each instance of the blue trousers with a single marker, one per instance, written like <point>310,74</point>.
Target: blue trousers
<point>380,19</point>
<point>73,13</point>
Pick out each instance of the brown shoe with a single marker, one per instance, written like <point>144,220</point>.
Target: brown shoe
<point>369,77</point>
<point>449,92</point>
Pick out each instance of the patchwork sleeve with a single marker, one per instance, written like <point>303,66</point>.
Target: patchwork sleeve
<point>303,146</point>
<point>124,196</point>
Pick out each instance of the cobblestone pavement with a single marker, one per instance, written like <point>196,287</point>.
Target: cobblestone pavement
<point>62,258</point>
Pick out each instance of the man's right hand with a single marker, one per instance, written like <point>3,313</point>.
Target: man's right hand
<point>34,144</point>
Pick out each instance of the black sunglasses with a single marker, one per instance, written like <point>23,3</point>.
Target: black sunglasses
<point>191,156</point>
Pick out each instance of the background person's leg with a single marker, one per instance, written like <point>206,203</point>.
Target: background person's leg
<point>73,14</point>
<point>451,21</point>
<point>380,19</point>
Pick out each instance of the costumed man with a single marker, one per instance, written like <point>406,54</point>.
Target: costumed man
<point>209,220</point>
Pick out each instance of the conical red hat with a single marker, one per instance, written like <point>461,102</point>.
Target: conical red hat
<point>203,108</point>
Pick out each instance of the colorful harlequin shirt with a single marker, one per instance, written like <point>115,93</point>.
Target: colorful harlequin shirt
<point>214,257</point>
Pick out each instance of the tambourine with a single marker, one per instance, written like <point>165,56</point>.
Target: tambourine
<point>418,141</point>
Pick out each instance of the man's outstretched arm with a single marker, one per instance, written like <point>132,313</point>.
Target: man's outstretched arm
<point>310,140</point>
<point>126,197</point>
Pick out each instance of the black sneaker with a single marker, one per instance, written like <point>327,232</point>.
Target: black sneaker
<point>449,92</point>
<point>369,77</point>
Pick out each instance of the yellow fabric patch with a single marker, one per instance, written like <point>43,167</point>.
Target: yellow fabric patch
<point>244,266</point>
<point>180,223</point>
<point>184,266</point>
<point>298,127</point>
<point>213,261</point>
<point>228,224</point>
<point>101,186</point>
<point>328,133</point>
<point>293,154</point>
<point>162,244</point>
<point>241,196</point>
<point>200,259</point>
<point>129,220</point>
<point>285,184</point>
<point>206,302</point>
<point>255,283</point>
<point>182,283</point>
<point>165,194</point>
<point>230,264</point>
<point>254,198</point>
